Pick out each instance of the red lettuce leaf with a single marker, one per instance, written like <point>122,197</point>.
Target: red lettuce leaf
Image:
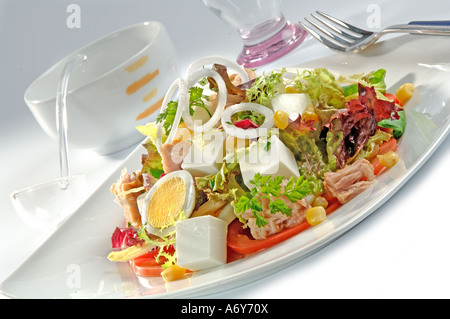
<point>245,124</point>
<point>381,109</point>
<point>356,124</point>
<point>125,237</point>
<point>301,125</point>
<point>349,130</point>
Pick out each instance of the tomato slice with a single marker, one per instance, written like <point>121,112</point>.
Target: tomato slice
<point>392,97</point>
<point>147,265</point>
<point>387,146</point>
<point>333,203</point>
<point>239,239</point>
<point>233,255</point>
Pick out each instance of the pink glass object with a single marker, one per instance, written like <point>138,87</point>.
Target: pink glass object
<point>266,34</point>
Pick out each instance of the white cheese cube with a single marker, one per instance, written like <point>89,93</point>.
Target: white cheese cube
<point>292,103</point>
<point>270,157</point>
<point>205,156</point>
<point>201,242</point>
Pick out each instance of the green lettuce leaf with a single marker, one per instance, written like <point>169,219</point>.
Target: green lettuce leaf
<point>397,125</point>
<point>375,79</point>
<point>335,142</point>
<point>322,88</point>
<point>225,185</point>
<point>369,148</point>
<point>265,87</point>
<point>308,155</point>
<point>152,162</point>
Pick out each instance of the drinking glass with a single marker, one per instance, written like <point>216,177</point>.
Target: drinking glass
<point>266,33</point>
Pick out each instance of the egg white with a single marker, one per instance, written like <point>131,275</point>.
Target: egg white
<point>188,206</point>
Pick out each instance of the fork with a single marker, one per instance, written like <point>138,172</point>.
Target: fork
<point>343,37</point>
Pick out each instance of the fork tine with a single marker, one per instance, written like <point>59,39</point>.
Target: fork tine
<point>324,31</point>
<point>332,45</point>
<point>344,24</point>
<point>344,35</point>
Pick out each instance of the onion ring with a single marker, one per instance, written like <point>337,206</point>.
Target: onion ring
<point>191,81</point>
<point>212,59</point>
<point>247,133</point>
<point>183,102</point>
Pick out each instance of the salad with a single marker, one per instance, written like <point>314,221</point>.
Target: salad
<point>238,162</point>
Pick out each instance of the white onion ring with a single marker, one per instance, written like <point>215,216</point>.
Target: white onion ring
<point>213,59</point>
<point>248,133</point>
<point>191,81</point>
<point>183,102</point>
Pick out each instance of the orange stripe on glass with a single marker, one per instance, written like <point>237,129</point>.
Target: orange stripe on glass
<point>141,82</point>
<point>150,95</point>
<point>138,64</point>
<point>150,110</point>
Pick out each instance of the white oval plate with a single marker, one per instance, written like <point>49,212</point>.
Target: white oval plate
<point>72,263</point>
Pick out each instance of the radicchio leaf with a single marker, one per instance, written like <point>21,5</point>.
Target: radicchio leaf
<point>348,131</point>
<point>356,125</point>
<point>299,124</point>
<point>381,109</point>
<point>125,237</point>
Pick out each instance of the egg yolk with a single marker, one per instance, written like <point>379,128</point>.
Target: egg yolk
<point>166,203</point>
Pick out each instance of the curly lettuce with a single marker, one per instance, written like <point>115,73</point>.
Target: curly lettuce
<point>225,185</point>
<point>369,149</point>
<point>265,87</point>
<point>335,144</point>
<point>322,88</point>
<point>308,155</point>
<point>374,79</point>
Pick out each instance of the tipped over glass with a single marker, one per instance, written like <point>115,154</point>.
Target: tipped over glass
<point>266,33</point>
<point>45,206</point>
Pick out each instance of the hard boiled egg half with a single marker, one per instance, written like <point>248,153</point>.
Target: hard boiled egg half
<point>170,199</point>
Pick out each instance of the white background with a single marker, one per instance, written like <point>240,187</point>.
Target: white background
<point>400,251</point>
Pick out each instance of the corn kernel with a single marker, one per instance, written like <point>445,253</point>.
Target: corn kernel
<point>291,89</point>
<point>389,159</point>
<point>316,215</point>
<point>404,93</point>
<point>174,272</point>
<point>281,119</point>
<point>310,116</point>
<point>320,201</point>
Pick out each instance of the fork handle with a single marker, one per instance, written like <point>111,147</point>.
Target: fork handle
<point>437,23</point>
<point>422,27</point>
